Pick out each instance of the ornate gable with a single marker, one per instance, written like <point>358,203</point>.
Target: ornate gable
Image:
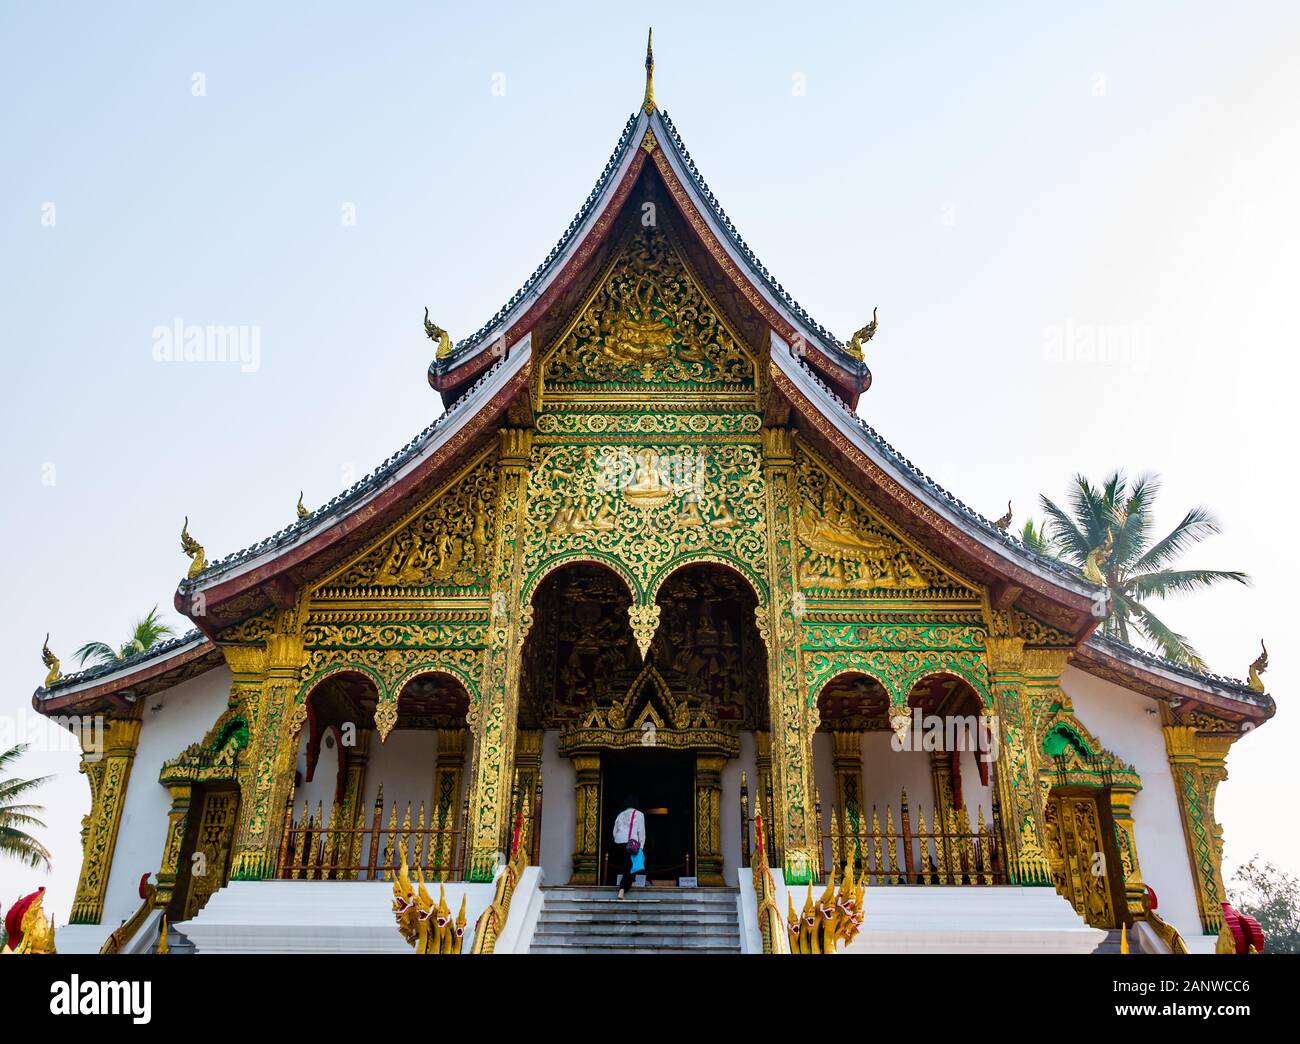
<point>846,550</point>
<point>647,328</point>
<point>443,547</point>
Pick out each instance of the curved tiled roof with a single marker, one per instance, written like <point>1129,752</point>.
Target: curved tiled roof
<point>1240,689</point>
<point>625,141</point>
<point>475,339</point>
<point>757,266</point>
<point>344,501</point>
<point>103,670</point>
<point>969,514</point>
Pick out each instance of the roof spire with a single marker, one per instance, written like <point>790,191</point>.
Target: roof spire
<point>649,103</point>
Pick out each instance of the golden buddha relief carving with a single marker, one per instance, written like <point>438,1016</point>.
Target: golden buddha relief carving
<point>846,550</point>
<point>447,544</point>
<point>648,326</point>
<point>645,506</point>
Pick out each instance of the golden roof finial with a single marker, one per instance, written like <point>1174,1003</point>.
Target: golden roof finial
<point>1259,667</point>
<point>51,661</point>
<point>198,559</point>
<point>302,510</point>
<point>437,333</point>
<point>649,103</point>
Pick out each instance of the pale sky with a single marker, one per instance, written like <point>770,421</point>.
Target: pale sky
<point>1007,183</point>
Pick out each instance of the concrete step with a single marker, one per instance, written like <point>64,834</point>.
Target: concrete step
<point>1110,944</point>
<point>601,907</point>
<point>179,943</point>
<point>603,949</point>
<point>562,916</point>
<point>681,931</point>
<point>670,920</point>
<point>641,895</point>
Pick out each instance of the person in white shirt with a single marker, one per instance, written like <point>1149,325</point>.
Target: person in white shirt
<point>629,834</point>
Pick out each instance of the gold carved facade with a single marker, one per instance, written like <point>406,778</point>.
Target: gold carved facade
<point>730,573</point>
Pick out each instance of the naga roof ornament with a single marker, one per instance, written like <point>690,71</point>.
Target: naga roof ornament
<point>198,557</point>
<point>859,340</point>
<point>437,333</point>
<point>51,662</point>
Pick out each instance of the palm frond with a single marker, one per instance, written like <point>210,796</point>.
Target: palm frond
<point>1172,645</point>
<point>1196,525</point>
<point>1165,582</point>
<point>149,631</point>
<point>1093,509</point>
<point>1133,521</point>
<point>1036,539</point>
<point>24,848</point>
<point>12,754</point>
<point>15,788</point>
<point>1074,543</point>
<point>98,652</point>
<point>22,815</point>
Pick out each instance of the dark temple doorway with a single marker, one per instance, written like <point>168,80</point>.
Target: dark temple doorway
<point>664,783</point>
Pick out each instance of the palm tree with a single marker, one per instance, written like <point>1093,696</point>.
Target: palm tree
<point>16,815</point>
<point>147,633</point>
<point>1108,533</point>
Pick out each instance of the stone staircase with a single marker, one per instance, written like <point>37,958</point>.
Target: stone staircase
<point>178,942</point>
<point>650,920</point>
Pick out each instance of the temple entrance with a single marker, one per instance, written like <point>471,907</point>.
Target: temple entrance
<point>663,722</point>
<point>664,784</point>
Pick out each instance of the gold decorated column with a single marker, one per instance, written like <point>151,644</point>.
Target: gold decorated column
<point>1016,767</point>
<point>708,818</point>
<point>497,717</point>
<point>274,721</point>
<point>1197,761</point>
<point>177,819</point>
<point>352,810</point>
<point>788,706</point>
<point>586,828</point>
<point>1121,808</point>
<point>528,774</point>
<point>108,769</point>
<point>848,789</point>
<point>765,795</point>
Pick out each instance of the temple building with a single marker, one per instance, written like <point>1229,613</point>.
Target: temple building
<point>648,547</point>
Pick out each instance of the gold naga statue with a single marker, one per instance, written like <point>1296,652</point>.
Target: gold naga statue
<point>437,333</point>
<point>830,920</point>
<point>859,340</point>
<point>54,672</point>
<point>1002,523</point>
<point>1096,560</point>
<point>414,909</point>
<point>27,929</point>
<point>1258,667</point>
<point>198,557</point>
<point>302,508</point>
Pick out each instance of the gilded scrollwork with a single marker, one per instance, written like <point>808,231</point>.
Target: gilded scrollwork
<point>445,545</point>
<point>577,423</point>
<point>845,550</point>
<point>646,508</point>
<point>648,326</point>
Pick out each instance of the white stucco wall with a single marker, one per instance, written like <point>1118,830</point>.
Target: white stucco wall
<point>559,807</point>
<point>171,722</point>
<point>324,782</point>
<point>1128,725</point>
<point>404,765</point>
<point>731,773</point>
